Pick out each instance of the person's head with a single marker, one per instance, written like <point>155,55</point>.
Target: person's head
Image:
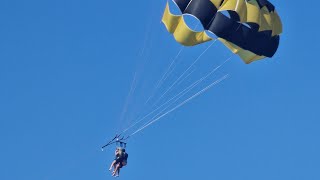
<point>120,150</point>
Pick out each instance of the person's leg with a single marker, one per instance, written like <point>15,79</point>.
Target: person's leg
<point>115,164</point>
<point>118,171</point>
<point>112,165</point>
<point>115,170</point>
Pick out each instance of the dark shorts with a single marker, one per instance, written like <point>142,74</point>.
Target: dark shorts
<point>122,163</point>
<point>118,160</point>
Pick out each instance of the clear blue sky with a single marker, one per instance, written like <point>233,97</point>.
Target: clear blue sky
<point>66,69</point>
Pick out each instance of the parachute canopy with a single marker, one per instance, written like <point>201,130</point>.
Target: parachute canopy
<point>249,28</point>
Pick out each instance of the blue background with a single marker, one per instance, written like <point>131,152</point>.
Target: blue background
<point>66,69</point>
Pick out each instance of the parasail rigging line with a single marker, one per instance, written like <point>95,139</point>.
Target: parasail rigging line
<point>129,96</point>
<point>181,104</point>
<point>166,74</point>
<point>181,76</point>
<point>144,117</point>
<point>178,96</point>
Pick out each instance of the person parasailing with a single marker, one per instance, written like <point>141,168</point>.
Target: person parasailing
<point>121,156</point>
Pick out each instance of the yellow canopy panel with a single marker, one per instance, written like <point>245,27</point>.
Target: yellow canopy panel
<point>176,25</point>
